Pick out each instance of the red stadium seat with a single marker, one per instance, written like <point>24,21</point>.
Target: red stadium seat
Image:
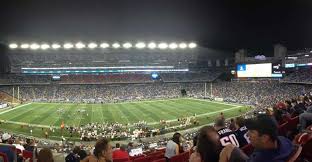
<point>27,155</point>
<point>135,157</point>
<point>183,157</point>
<point>292,123</point>
<point>4,157</point>
<point>282,129</point>
<point>142,159</point>
<point>121,160</point>
<point>160,160</point>
<point>248,149</point>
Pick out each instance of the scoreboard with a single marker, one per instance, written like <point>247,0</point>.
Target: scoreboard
<point>264,70</point>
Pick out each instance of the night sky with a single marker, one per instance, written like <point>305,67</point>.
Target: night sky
<point>230,25</point>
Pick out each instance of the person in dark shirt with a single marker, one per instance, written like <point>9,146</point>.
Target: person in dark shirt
<point>226,135</point>
<point>263,135</point>
<point>241,132</point>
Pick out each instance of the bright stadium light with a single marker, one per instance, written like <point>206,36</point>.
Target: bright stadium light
<point>68,45</point>
<point>162,45</point>
<point>56,46</point>
<point>192,45</point>
<point>140,45</point>
<point>34,46</point>
<point>116,45</point>
<point>13,45</point>
<point>173,46</point>
<point>25,46</point>
<point>127,45</point>
<point>44,46</point>
<point>104,45</point>
<point>182,45</point>
<point>92,45</point>
<point>152,45</point>
<point>80,45</point>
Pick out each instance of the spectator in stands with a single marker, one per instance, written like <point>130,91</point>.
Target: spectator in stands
<point>232,125</point>
<point>102,152</point>
<point>5,149</point>
<point>264,138</point>
<point>173,146</point>
<point>45,155</point>
<point>208,146</point>
<point>305,118</point>
<point>130,147</point>
<point>117,146</point>
<point>225,133</point>
<point>73,156</point>
<point>30,145</point>
<point>121,153</point>
<point>241,132</point>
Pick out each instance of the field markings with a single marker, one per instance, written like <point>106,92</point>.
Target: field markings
<point>149,112</point>
<point>205,114</point>
<point>14,108</point>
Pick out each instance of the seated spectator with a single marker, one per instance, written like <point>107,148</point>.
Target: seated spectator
<point>117,146</point>
<point>208,146</point>
<point>30,145</point>
<point>102,152</point>
<point>121,153</point>
<point>241,132</point>
<point>173,146</point>
<point>45,155</point>
<point>232,126</point>
<point>5,149</point>
<point>304,118</point>
<point>73,156</point>
<point>226,135</point>
<point>269,147</point>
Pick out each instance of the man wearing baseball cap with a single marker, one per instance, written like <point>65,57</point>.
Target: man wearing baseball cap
<point>268,146</point>
<point>263,135</point>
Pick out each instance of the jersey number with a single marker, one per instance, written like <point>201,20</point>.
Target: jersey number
<point>231,139</point>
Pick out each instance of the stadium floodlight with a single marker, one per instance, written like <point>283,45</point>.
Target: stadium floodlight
<point>34,46</point>
<point>25,46</point>
<point>80,45</point>
<point>162,45</point>
<point>68,45</point>
<point>140,45</point>
<point>192,45</point>
<point>104,45</point>
<point>116,45</point>
<point>127,45</point>
<point>182,45</point>
<point>56,46</point>
<point>13,45</point>
<point>92,45</point>
<point>306,55</point>
<point>152,45</point>
<point>173,46</point>
<point>44,46</point>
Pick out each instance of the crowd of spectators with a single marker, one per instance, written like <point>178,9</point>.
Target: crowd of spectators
<point>299,76</point>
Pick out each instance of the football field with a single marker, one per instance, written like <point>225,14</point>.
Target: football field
<point>44,115</point>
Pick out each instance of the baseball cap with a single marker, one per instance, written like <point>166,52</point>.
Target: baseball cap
<point>6,136</point>
<point>264,124</point>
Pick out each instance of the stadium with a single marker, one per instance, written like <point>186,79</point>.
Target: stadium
<point>176,94</point>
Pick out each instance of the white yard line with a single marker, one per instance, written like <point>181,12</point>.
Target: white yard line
<point>14,108</point>
<point>221,103</point>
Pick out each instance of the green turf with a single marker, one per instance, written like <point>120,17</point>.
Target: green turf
<point>46,114</point>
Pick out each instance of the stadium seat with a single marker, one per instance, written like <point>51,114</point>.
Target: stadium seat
<point>121,160</point>
<point>135,157</point>
<point>292,123</point>
<point>282,129</point>
<point>27,155</point>
<point>160,160</point>
<point>4,157</point>
<point>295,154</point>
<point>142,159</point>
<point>183,157</point>
<point>248,149</point>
